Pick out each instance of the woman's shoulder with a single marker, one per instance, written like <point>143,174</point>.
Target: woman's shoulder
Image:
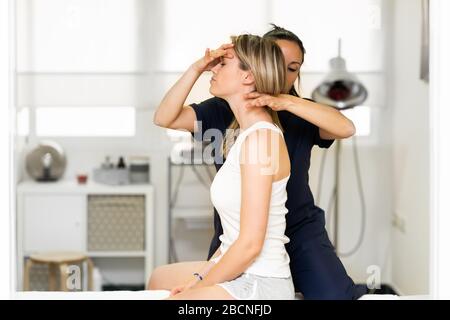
<point>259,132</point>
<point>262,137</point>
<point>261,125</point>
<point>264,147</point>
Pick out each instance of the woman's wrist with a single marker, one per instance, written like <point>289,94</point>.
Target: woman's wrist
<point>195,282</point>
<point>294,104</point>
<point>290,106</point>
<point>194,68</point>
<point>191,282</point>
<point>198,276</point>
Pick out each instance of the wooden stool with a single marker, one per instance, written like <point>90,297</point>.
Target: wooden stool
<point>55,261</point>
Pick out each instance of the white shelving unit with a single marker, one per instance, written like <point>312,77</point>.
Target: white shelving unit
<point>192,215</point>
<point>53,216</point>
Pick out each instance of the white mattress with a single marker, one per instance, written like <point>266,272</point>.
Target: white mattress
<point>92,295</point>
<point>151,295</point>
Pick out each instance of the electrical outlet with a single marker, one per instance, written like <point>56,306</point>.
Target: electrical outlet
<point>399,222</point>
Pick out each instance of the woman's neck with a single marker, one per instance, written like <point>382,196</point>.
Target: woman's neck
<point>246,117</point>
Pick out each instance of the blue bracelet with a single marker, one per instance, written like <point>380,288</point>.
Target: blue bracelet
<point>198,275</point>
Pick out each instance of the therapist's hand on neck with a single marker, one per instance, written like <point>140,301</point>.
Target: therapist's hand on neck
<point>277,103</point>
<point>244,115</point>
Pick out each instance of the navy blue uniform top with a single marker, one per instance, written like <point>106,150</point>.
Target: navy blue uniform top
<point>300,137</point>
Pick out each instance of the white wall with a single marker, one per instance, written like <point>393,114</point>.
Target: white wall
<point>384,185</point>
<point>145,89</point>
<point>7,268</point>
<point>410,145</point>
<point>440,149</point>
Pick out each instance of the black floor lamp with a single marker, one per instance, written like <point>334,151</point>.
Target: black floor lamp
<point>341,90</point>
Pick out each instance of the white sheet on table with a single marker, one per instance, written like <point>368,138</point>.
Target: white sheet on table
<point>92,295</point>
<point>153,295</point>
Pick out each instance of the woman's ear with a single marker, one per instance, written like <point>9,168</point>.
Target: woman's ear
<point>247,78</point>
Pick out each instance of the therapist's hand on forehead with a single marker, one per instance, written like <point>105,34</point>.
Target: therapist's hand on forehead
<point>213,57</point>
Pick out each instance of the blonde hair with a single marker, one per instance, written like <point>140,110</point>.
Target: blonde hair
<point>265,60</point>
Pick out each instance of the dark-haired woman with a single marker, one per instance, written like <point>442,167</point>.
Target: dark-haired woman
<point>316,270</point>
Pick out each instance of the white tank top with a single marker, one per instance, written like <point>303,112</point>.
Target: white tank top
<point>273,261</point>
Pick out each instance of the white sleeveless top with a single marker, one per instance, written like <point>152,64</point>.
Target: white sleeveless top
<point>273,260</point>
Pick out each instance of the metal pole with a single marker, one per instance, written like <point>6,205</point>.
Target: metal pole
<point>169,207</point>
<point>336,188</point>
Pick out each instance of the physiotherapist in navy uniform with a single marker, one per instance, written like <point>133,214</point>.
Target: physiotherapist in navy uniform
<point>316,269</point>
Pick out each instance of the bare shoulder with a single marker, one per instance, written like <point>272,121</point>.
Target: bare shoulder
<point>266,148</point>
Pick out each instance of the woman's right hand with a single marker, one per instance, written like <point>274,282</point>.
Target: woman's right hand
<point>212,58</point>
<point>187,285</point>
<point>177,290</point>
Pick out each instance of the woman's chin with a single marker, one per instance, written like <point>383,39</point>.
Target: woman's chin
<point>213,92</point>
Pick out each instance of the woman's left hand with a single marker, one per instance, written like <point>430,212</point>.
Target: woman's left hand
<point>276,103</point>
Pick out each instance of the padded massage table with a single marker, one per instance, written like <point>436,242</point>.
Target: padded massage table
<point>154,295</point>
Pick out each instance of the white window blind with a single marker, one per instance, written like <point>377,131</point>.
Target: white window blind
<point>85,121</point>
<point>189,27</point>
<point>78,35</point>
<point>320,23</point>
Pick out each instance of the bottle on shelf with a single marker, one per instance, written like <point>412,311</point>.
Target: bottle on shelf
<point>121,163</point>
<point>107,164</point>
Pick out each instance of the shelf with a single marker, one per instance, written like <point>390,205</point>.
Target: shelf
<point>72,187</point>
<point>59,210</point>
<point>116,254</point>
<point>192,213</point>
<point>111,254</point>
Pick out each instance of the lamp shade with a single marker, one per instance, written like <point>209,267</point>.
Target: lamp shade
<point>340,89</point>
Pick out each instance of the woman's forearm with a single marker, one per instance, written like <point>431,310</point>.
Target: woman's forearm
<point>173,102</point>
<point>209,264</point>
<point>233,263</point>
<point>204,270</point>
<point>324,117</point>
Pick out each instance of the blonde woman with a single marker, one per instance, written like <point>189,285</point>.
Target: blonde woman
<point>249,191</point>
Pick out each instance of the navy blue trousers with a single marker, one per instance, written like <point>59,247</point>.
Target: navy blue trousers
<point>316,270</point>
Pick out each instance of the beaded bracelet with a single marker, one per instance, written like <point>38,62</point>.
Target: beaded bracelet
<point>198,275</point>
